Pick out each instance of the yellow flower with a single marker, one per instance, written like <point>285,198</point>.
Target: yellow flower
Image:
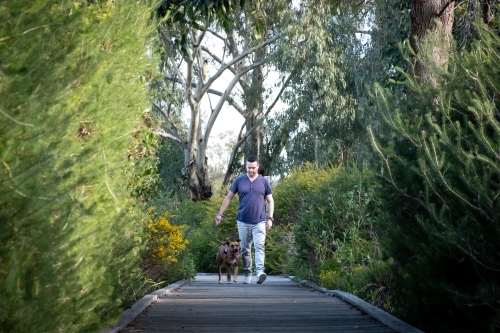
<point>164,241</point>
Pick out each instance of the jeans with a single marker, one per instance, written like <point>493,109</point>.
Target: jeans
<point>255,233</point>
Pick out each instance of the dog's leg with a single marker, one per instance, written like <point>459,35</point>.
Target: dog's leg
<point>220,274</point>
<point>235,273</point>
<point>228,272</point>
<point>219,266</point>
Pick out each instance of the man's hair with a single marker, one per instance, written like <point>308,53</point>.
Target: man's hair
<point>253,158</point>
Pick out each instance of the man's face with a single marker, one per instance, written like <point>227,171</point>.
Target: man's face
<point>252,168</point>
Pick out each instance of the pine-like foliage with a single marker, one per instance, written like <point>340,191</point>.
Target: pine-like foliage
<point>442,174</point>
<point>71,97</point>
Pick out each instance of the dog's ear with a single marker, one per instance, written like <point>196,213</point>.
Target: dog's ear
<point>227,243</point>
<point>238,240</point>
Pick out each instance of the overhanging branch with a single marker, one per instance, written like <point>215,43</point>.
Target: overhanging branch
<point>236,60</point>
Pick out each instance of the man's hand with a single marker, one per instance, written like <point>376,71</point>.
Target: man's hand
<point>218,218</point>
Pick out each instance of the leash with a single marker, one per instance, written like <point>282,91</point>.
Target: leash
<point>216,227</point>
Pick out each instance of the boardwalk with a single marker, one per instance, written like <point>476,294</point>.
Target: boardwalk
<point>278,305</point>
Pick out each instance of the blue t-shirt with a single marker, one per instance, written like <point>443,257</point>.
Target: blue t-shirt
<point>251,205</point>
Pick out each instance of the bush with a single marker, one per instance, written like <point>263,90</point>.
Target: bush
<point>280,250</point>
<point>334,215</point>
<point>291,191</point>
<point>164,241</point>
<point>165,258</point>
<point>369,282</point>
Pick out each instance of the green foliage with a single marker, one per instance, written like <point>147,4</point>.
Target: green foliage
<point>165,259</point>
<point>319,123</point>
<point>143,158</point>
<point>171,161</point>
<point>442,173</point>
<point>369,282</point>
<point>334,213</point>
<point>293,190</point>
<point>330,232</point>
<point>280,250</point>
<point>71,97</point>
<point>337,223</point>
<point>199,15</point>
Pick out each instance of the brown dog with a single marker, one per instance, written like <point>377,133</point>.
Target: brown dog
<point>229,254</point>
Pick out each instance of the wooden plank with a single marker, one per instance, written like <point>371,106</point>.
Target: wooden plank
<point>277,305</point>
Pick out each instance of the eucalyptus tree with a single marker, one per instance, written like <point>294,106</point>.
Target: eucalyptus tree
<point>256,90</point>
<point>314,53</point>
<point>203,52</point>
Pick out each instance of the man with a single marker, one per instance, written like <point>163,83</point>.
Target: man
<point>253,191</point>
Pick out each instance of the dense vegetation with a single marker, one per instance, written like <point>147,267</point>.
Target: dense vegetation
<point>442,185</point>
<point>73,150</point>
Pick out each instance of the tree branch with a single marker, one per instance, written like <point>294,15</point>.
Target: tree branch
<point>364,32</point>
<point>167,39</point>
<point>172,132</point>
<point>236,60</point>
<point>230,100</point>
<point>218,107</point>
<point>242,139</point>
<point>216,35</point>
<point>219,60</point>
<point>166,134</point>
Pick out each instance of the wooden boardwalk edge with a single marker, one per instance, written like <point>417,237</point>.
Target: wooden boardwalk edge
<point>379,314</point>
<point>387,319</point>
<point>138,307</point>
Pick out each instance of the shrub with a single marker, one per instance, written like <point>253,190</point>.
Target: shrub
<point>369,282</point>
<point>280,250</point>
<point>333,215</point>
<point>336,219</point>
<point>70,107</point>
<point>292,190</point>
<point>164,245</point>
<point>164,241</point>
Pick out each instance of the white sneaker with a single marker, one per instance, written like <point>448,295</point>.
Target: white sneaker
<point>262,278</point>
<point>247,279</point>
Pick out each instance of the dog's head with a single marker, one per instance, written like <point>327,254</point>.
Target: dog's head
<point>233,247</point>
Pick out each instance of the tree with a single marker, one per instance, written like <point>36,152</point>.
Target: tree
<point>268,18</point>
<point>313,55</point>
<point>243,40</point>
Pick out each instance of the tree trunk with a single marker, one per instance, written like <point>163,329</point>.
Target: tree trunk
<point>195,160</point>
<point>486,11</point>
<point>431,17</point>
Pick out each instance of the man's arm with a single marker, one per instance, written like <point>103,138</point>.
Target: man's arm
<point>223,207</point>
<point>270,205</point>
